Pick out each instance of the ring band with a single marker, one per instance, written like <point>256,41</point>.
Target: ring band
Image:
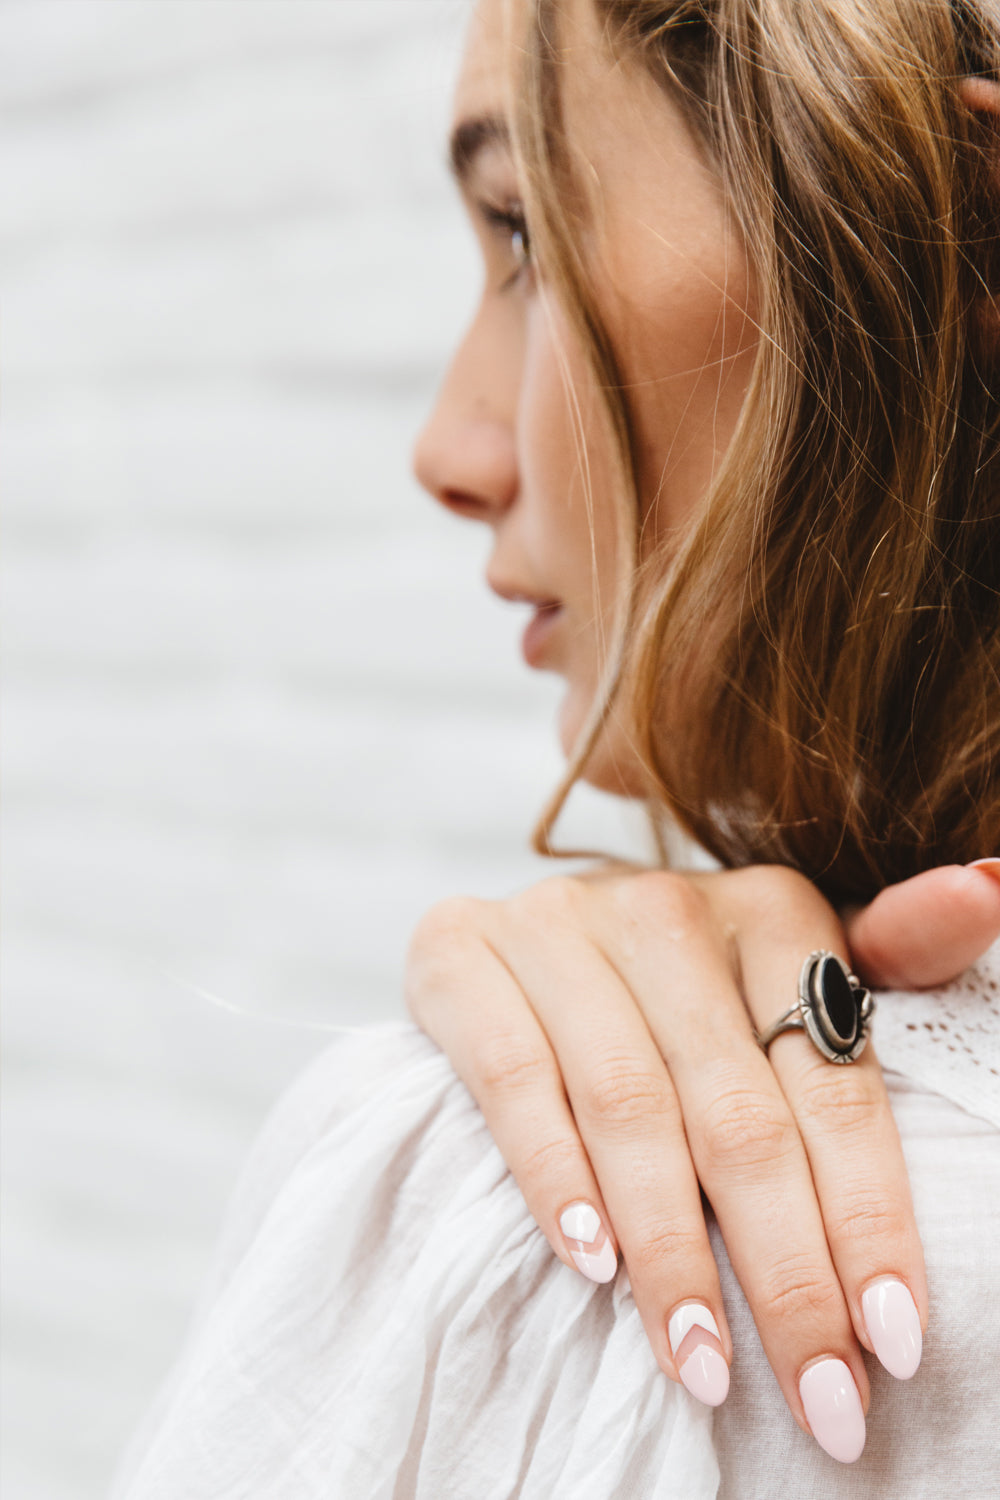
<point>833,1008</point>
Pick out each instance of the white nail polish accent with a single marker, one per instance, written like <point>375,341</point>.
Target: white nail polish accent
<point>580,1221</point>
<point>588,1243</point>
<point>600,1267</point>
<point>702,1365</point>
<point>690,1315</point>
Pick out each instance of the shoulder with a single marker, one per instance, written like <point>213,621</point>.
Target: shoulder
<point>370,1090</point>
<point>359,1070</point>
<point>390,1320</point>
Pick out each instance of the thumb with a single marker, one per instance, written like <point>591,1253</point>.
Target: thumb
<point>926,930</point>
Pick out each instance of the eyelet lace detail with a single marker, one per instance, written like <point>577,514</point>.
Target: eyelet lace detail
<point>948,1040</point>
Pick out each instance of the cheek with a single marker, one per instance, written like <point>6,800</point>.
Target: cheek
<point>564,451</point>
<point>691,367</point>
<point>547,443</point>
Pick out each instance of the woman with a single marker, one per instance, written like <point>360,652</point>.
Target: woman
<point>761,305</point>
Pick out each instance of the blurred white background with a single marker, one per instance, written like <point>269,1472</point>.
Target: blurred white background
<point>260,710</point>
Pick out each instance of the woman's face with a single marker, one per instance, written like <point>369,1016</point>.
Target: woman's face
<point>508,442</point>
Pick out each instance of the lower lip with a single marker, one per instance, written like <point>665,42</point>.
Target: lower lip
<point>536,635</point>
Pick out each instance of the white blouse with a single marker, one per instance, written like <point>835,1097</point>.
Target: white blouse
<point>385,1321</point>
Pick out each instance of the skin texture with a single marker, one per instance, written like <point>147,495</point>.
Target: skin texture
<point>503,443</point>
<point>605,1083</point>
<point>517,437</point>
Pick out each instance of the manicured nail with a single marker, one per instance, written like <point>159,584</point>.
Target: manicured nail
<point>833,1409</point>
<point>893,1325</point>
<point>697,1350</point>
<point>587,1242</point>
<point>991,866</point>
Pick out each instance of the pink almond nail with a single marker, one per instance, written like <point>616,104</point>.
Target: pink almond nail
<point>833,1409</point>
<point>588,1242</point>
<point>697,1349</point>
<point>893,1325</point>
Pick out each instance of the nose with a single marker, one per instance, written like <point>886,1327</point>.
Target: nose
<point>465,455</point>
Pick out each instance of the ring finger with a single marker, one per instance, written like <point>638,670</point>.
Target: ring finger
<point>856,1158</point>
<point>749,1157</point>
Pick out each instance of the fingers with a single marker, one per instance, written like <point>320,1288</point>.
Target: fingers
<point>465,997</point>
<point>751,1161</point>
<point>629,1119</point>
<point>925,931</point>
<point>635,1158</point>
<point>846,1123</point>
<point>558,1009</point>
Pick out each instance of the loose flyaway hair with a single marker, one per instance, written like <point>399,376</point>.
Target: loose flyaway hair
<point>811,671</point>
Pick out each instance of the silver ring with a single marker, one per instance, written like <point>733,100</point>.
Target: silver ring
<point>834,1009</point>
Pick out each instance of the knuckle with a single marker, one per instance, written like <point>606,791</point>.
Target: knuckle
<point>439,950</point>
<point>508,1063</point>
<point>779,895</point>
<point>620,1098</point>
<point>799,1291</point>
<point>664,1245</point>
<point>557,898</point>
<point>825,1097</point>
<point>559,1159</point>
<point>744,1129</point>
<point>780,883</point>
<point>868,1217</point>
<point>663,900</point>
<point>444,924</point>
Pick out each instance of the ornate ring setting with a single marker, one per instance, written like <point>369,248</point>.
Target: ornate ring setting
<point>833,1008</point>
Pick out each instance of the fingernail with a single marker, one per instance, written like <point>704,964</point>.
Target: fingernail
<point>587,1242</point>
<point>991,866</point>
<point>697,1350</point>
<point>833,1409</point>
<point>893,1325</point>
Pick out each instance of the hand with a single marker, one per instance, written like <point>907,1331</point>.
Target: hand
<point>604,1023</point>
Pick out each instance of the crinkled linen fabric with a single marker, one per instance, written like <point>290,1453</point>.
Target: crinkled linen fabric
<point>385,1321</point>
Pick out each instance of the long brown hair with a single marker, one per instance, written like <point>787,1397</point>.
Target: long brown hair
<point>812,674</point>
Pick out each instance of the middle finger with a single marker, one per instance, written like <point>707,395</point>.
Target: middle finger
<point>747,1150</point>
<point>628,1116</point>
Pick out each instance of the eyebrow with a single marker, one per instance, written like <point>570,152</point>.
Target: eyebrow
<point>471,137</point>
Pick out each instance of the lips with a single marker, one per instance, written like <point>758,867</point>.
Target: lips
<point>548,612</point>
<point>515,595</point>
<point>537,632</point>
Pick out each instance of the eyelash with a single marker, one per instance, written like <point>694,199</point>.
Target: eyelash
<point>512,219</point>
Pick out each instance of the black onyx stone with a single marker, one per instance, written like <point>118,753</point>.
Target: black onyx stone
<point>836,1003</point>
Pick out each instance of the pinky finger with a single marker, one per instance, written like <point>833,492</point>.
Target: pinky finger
<point>503,1056</point>
<point>513,1076</point>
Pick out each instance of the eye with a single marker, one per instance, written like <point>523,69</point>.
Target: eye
<point>512,221</point>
